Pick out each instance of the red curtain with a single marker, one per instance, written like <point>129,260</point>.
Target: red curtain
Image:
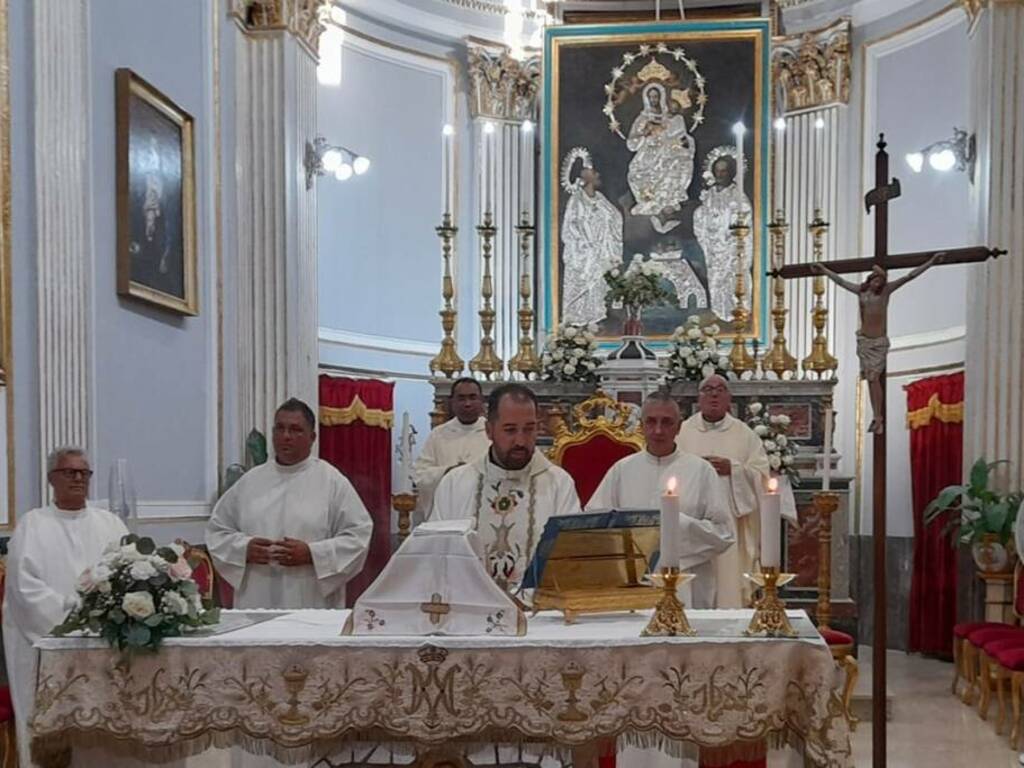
<point>356,416</point>
<point>935,419</point>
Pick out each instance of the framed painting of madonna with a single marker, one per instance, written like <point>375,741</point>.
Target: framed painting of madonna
<point>655,146</point>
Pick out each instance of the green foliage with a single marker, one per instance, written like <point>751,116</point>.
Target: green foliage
<point>982,509</point>
<point>255,454</point>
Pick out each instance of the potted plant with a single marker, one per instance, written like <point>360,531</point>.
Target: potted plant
<point>986,518</point>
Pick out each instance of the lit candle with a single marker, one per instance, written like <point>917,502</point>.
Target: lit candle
<point>669,557</point>
<point>819,154</point>
<point>780,164</point>
<point>771,524</point>
<point>526,161</point>
<point>446,167</point>
<point>826,478</point>
<point>488,156</point>
<point>739,129</point>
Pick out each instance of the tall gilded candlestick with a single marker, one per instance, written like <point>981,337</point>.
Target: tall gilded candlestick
<point>778,359</point>
<point>447,360</point>
<point>525,360</point>
<point>669,619</point>
<point>486,360</point>
<point>820,361</point>
<point>739,357</point>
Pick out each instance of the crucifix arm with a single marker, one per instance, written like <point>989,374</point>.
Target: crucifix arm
<point>915,272</point>
<point>820,269</point>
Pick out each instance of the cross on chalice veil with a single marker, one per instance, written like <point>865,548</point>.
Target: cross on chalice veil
<point>435,608</point>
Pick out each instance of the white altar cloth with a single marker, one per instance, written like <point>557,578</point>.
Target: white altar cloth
<point>290,685</point>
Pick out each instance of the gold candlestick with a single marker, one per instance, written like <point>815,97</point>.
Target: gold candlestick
<point>820,360</point>
<point>404,504</point>
<point>447,360</point>
<point>825,504</point>
<point>739,357</point>
<point>525,360</point>
<point>669,619</point>
<point>486,360</point>
<point>770,618</point>
<point>778,358</point>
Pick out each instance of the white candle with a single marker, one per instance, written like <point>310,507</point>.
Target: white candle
<point>488,156</point>
<point>447,183</point>
<point>819,153</point>
<point>526,161</point>
<point>780,164</point>
<point>669,557</point>
<point>771,525</point>
<point>826,477</point>
<point>739,129</point>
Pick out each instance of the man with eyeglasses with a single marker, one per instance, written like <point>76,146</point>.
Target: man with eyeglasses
<point>292,532</point>
<point>51,548</point>
<point>740,461</point>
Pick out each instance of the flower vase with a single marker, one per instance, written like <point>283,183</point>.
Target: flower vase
<point>634,325</point>
<point>633,349</point>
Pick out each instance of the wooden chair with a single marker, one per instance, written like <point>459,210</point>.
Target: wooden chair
<point>8,740</point>
<point>600,436</point>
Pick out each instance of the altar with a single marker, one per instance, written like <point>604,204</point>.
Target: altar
<point>290,685</point>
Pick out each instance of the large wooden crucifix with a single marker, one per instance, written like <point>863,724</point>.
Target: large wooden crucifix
<point>872,350</point>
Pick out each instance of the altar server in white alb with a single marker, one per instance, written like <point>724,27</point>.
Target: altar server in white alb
<point>50,549</point>
<point>740,461</point>
<point>638,481</point>
<point>290,533</point>
<point>511,490</point>
<point>456,442</point>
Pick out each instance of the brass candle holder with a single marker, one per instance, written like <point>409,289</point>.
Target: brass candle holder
<point>404,504</point>
<point>739,357</point>
<point>525,361</point>
<point>820,361</point>
<point>770,618</point>
<point>669,619</point>
<point>778,359</point>
<point>486,360</point>
<point>447,361</point>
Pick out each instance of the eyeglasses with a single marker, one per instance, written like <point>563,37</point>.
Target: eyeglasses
<point>72,474</point>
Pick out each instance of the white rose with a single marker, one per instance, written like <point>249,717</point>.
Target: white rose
<point>781,440</point>
<point>591,365</point>
<point>592,327</point>
<point>615,272</point>
<point>769,445</point>
<point>774,461</point>
<point>760,430</point>
<point>691,361</point>
<point>578,353</point>
<point>138,605</point>
<point>707,370</point>
<point>570,332</point>
<point>787,460</point>
<point>712,330</point>
<point>755,408</point>
<point>174,603</point>
<point>130,554</point>
<point>558,354</point>
<point>784,420</point>
<point>569,369</point>
<point>104,587</point>
<point>693,333</point>
<point>142,570</point>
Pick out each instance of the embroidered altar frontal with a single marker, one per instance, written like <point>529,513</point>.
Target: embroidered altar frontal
<point>293,687</point>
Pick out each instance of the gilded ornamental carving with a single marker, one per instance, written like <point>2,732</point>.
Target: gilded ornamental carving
<point>502,86</point>
<point>301,18</point>
<point>812,69</point>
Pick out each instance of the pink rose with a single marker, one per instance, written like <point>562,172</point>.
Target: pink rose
<point>86,582</point>
<point>180,570</point>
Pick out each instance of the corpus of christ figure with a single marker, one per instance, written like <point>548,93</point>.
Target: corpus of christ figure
<point>873,336</point>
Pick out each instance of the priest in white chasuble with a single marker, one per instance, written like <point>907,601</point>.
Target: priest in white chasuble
<point>456,442</point>
<point>290,533</point>
<point>51,548</point>
<point>739,460</point>
<point>511,490</point>
<point>638,481</point>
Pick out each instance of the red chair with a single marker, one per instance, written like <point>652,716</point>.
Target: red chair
<point>601,435</point>
<point>997,649</point>
<point>8,741</point>
<point>212,588</point>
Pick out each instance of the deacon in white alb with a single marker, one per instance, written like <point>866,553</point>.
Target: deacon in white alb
<point>739,458</point>
<point>454,443</point>
<point>50,549</point>
<point>511,490</point>
<point>290,533</point>
<point>638,481</point>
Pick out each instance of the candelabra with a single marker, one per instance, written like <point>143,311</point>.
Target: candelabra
<point>778,359</point>
<point>770,618</point>
<point>525,361</point>
<point>447,360</point>
<point>820,360</point>
<point>739,357</point>
<point>669,619</point>
<point>486,360</point>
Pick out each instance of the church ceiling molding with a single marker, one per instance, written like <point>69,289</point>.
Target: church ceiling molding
<point>812,69</point>
<point>303,19</point>
<point>501,86</point>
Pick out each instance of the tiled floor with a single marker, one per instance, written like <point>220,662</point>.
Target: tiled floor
<point>929,727</point>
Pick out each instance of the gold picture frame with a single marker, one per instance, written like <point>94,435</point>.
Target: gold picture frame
<point>156,206</point>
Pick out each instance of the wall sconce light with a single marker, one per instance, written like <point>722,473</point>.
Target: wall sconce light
<point>322,158</point>
<point>957,152</point>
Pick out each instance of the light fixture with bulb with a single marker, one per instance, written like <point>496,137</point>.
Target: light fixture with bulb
<point>322,158</point>
<point>957,152</point>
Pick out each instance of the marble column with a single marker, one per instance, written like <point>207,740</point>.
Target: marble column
<point>503,91</point>
<point>277,243</point>
<point>994,417</point>
<point>63,231</point>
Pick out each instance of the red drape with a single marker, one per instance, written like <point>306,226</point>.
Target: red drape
<point>355,436</point>
<point>935,418</point>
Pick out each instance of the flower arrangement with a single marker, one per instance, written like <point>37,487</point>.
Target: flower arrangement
<point>693,352</point>
<point>639,285</point>
<point>137,595</point>
<point>570,354</point>
<point>774,434</point>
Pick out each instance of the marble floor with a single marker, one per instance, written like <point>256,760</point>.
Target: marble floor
<point>929,727</point>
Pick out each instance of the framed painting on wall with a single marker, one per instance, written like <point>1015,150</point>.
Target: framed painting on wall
<point>655,143</point>
<point>156,208</point>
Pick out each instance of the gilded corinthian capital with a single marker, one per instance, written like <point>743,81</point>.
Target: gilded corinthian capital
<point>301,18</point>
<point>502,86</point>
<point>812,69</point>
